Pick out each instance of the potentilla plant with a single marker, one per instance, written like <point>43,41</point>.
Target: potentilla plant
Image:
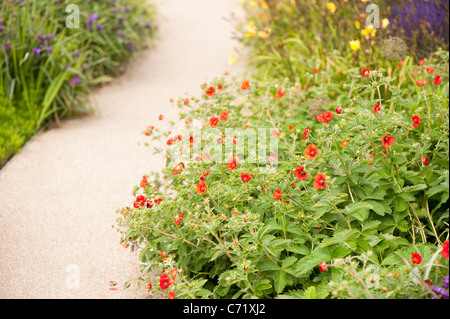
<point>368,176</point>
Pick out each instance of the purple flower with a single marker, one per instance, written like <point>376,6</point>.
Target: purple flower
<point>37,51</point>
<point>75,80</point>
<point>100,27</point>
<point>2,27</point>
<point>78,53</point>
<point>92,17</point>
<point>148,25</point>
<point>114,10</point>
<point>445,280</point>
<point>6,47</point>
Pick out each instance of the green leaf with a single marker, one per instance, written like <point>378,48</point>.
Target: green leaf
<point>267,265</point>
<point>399,204</point>
<point>310,293</point>
<point>320,254</point>
<point>279,280</point>
<point>288,262</point>
<point>353,207</point>
<point>437,189</point>
<point>398,159</point>
<point>377,207</point>
<point>415,188</point>
<point>443,162</point>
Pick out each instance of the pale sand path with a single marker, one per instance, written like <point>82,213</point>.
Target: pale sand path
<point>58,196</point>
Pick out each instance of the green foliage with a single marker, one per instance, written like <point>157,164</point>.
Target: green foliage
<point>47,69</point>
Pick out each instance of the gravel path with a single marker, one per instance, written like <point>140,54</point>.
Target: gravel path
<point>58,196</point>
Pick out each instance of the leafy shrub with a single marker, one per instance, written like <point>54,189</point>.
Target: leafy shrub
<point>245,233</point>
<point>46,69</point>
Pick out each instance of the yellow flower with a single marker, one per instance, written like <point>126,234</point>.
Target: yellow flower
<point>253,4</point>
<point>264,5</point>
<point>384,23</point>
<point>357,24</point>
<point>251,29</point>
<point>232,60</point>
<point>263,34</point>
<point>355,45</point>
<point>332,7</point>
<point>369,31</point>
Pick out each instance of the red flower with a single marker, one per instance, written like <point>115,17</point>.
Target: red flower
<point>311,151</point>
<point>201,188</point>
<point>428,282</point>
<point>214,121</point>
<point>388,141</point>
<point>416,258</point>
<point>164,281</point>
<point>316,70</point>
<point>305,133</point>
<point>437,80</point>
<point>416,121</point>
<point>366,73</point>
<point>272,158</point>
<point>144,182</point>
<point>140,201</point>
<point>277,194</point>
<point>124,245</point>
<point>158,200</point>
<point>280,94</point>
<point>275,133</point>
<point>224,115</point>
<point>164,255</point>
<point>422,62</point>
<point>325,117</point>
<point>186,102</point>
<point>149,204</point>
<point>338,110</point>
<point>231,165</point>
<point>245,85</point>
<point>320,181</point>
<point>246,178</point>
<point>181,214</point>
<point>211,91</point>
<point>178,220</point>
<point>178,168</point>
<point>171,295</point>
<point>161,117</point>
<point>173,273</point>
<point>344,143</point>
<point>422,82</point>
<point>290,127</point>
<point>322,266</point>
<point>444,251</point>
<point>149,287</point>
<point>376,108</point>
<point>429,70</point>
<point>149,130</point>
<point>300,173</point>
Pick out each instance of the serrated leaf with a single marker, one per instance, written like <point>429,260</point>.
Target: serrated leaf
<point>353,207</point>
<point>320,254</point>
<point>415,188</point>
<point>279,280</point>
<point>310,293</point>
<point>398,159</point>
<point>377,207</point>
<point>288,262</point>
<point>437,189</point>
<point>267,265</point>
